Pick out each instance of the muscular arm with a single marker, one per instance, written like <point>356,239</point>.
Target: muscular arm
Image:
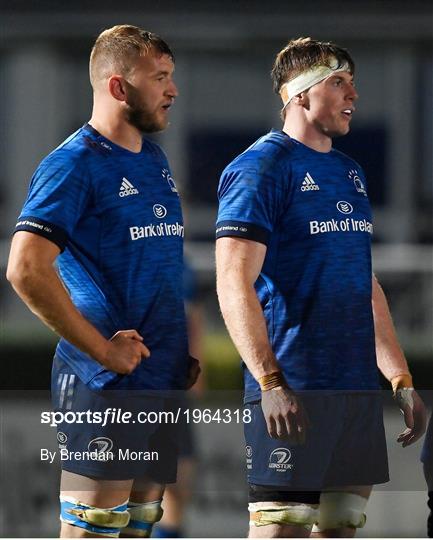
<point>390,358</point>
<point>392,363</point>
<point>239,263</point>
<point>32,275</point>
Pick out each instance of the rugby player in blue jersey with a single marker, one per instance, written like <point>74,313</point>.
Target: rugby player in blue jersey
<point>104,207</point>
<point>309,319</point>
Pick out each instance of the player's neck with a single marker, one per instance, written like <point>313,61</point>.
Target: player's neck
<point>308,135</point>
<point>117,131</point>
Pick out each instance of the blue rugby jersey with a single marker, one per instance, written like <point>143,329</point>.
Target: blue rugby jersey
<point>117,218</point>
<point>312,212</point>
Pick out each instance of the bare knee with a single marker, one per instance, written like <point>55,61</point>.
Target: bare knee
<point>278,531</point>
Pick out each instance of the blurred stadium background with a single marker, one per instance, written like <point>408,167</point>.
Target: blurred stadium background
<point>224,52</point>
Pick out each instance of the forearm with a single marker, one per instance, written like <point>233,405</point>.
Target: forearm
<point>44,294</point>
<point>246,324</point>
<point>390,357</point>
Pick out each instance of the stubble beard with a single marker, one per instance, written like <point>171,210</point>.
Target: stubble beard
<point>139,116</point>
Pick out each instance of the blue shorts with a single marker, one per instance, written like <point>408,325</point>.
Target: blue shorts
<point>118,450</point>
<point>345,445</point>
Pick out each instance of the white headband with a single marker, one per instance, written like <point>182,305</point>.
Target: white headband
<point>309,78</point>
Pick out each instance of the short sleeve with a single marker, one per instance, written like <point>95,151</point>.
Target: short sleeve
<point>250,202</point>
<point>58,195</point>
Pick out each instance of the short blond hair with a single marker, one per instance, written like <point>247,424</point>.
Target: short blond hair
<point>116,50</point>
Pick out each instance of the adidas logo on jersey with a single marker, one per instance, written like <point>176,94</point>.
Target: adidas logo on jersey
<point>309,184</point>
<point>127,188</point>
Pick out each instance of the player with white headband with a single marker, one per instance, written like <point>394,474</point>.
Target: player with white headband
<point>309,319</point>
<point>310,77</point>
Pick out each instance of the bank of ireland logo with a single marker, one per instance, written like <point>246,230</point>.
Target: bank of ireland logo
<point>159,211</point>
<point>101,446</point>
<point>166,174</point>
<point>359,185</point>
<point>279,460</point>
<point>344,207</point>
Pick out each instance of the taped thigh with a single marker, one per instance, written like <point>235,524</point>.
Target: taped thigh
<point>102,521</point>
<point>143,516</point>
<point>282,513</point>
<point>341,509</point>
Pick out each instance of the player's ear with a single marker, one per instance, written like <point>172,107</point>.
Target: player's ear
<point>301,100</point>
<point>116,87</point>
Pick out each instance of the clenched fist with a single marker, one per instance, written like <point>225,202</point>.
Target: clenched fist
<point>125,352</point>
